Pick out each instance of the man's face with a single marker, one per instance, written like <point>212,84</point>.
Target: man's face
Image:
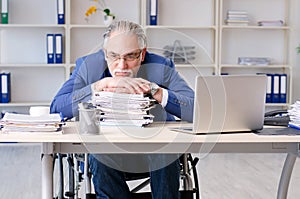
<point>123,55</point>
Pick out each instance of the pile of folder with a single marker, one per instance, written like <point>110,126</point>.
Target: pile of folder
<point>118,109</point>
<point>13,122</point>
<point>237,18</point>
<point>294,114</point>
<point>271,23</point>
<point>54,48</point>
<point>254,61</point>
<point>276,88</point>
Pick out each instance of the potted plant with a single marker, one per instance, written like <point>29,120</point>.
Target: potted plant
<point>101,6</point>
<point>108,17</point>
<point>298,49</point>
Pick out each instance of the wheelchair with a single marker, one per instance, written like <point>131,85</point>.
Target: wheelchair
<point>73,171</point>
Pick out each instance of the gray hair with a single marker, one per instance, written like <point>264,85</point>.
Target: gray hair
<point>128,27</point>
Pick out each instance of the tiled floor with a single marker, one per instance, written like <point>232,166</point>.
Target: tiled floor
<point>222,176</point>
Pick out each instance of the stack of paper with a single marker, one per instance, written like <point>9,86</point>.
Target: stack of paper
<point>294,114</point>
<point>237,18</point>
<point>258,61</point>
<point>12,122</point>
<point>123,109</point>
<point>271,23</point>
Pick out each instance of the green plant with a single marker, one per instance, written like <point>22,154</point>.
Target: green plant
<point>298,49</point>
<point>101,6</point>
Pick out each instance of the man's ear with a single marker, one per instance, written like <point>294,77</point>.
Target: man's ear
<point>144,53</point>
<point>104,51</point>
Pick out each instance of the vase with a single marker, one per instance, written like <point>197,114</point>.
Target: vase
<point>108,20</point>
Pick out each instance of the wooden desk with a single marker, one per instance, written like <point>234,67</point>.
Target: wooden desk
<point>157,138</point>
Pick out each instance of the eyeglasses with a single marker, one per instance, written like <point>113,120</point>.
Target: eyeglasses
<point>111,56</point>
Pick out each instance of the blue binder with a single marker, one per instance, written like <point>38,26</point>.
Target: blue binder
<point>283,87</point>
<point>5,87</point>
<point>50,48</point>
<point>153,12</point>
<point>269,95</point>
<point>276,90</point>
<point>58,48</point>
<point>61,11</point>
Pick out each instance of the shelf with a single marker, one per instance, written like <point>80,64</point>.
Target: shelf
<point>254,66</point>
<point>277,104</point>
<point>257,27</point>
<point>32,65</point>
<point>180,27</point>
<point>195,23</point>
<point>2,26</point>
<point>24,104</point>
<point>194,66</point>
<point>87,26</point>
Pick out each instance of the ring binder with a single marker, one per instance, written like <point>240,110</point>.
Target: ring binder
<point>61,11</point>
<point>4,11</point>
<point>50,48</point>
<point>58,49</point>
<point>283,84</point>
<point>5,87</point>
<point>153,12</point>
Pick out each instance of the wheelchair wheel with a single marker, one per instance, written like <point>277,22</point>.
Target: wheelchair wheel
<point>62,165</point>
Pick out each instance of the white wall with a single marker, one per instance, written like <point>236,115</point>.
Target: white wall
<point>295,41</point>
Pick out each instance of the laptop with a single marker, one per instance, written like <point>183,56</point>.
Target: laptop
<point>228,103</point>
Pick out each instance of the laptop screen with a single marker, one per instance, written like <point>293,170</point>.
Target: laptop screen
<point>229,103</point>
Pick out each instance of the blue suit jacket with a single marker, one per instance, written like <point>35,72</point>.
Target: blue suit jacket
<point>154,68</point>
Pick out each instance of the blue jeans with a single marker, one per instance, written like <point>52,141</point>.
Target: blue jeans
<point>109,178</point>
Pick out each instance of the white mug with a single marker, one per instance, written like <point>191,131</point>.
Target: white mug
<point>39,110</point>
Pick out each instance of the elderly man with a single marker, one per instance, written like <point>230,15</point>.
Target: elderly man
<point>124,65</point>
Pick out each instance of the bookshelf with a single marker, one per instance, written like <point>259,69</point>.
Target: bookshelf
<point>194,23</point>
<point>253,40</point>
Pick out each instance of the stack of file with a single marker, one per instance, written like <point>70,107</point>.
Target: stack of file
<point>271,23</point>
<point>237,17</point>
<point>294,114</point>
<point>12,122</point>
<point>123,109</point>
<point>256,61</point>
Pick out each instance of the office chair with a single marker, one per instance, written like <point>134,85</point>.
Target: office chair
<point>78,172</point>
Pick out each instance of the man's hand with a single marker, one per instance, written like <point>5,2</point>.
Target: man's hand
<point>123,85</point>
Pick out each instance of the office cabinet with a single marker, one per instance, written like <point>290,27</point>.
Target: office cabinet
<point>212,47</point>
<point>253,40</point>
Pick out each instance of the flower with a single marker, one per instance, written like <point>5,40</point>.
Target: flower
<point>101,6</point>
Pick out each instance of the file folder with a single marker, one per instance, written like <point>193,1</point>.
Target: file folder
<point>50,48</point>
<point>58,48</point>
<point>283,83</point>
<point>5,87</point>
<point>269,88</point>
<point>276,84</point>
<point>153,12</point>
<point>4,11</point>
<point>61,11</point>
